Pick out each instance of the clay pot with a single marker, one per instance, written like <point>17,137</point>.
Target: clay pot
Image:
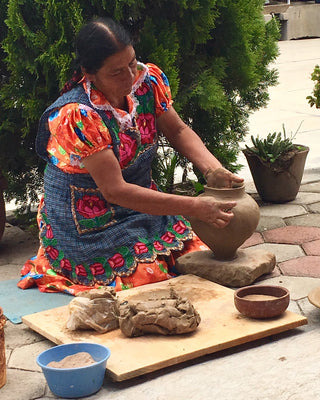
<point>225,242</point>
<point>3,371</point>
<point>277,186</point>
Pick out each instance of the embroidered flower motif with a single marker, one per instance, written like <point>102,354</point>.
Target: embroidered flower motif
<point>109,114</point>
<point>180,227</point>
<point>127,149</point>
<point>158,246</point>
<point>97,269</point>
<point>168,237</point>
<point>153,186</point>
<point>65,264</point>
<point>140,248</point>
<point>142,89</point>
<point>80,270</point>
<point>91,206</point>
<point>116,261</point>
<point>49,233</point>
<point>52,252</point>
<point>146,127</point>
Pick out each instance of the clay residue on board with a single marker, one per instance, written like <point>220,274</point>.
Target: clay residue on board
<point>167,314</point>
<point>77,360</point>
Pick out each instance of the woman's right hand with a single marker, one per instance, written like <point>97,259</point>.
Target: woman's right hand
<point>217,213</point>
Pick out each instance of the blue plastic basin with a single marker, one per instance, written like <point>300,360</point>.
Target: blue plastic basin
<point>74,382</point>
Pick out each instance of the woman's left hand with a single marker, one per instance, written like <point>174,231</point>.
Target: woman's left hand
<point>221,177</point>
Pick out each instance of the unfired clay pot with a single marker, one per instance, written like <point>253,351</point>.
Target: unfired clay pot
<point>225,242</point>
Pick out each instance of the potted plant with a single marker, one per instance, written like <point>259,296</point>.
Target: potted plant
<point>276,165</point>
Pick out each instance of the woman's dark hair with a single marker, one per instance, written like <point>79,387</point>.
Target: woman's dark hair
<point>95,42</point>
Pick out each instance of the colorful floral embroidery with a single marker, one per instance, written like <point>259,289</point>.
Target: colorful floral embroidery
<point>116,261</point>
<point>127,150</point>
<point>97,269</point>
<point>90,210</point>
<point>90,206</point>
<point>147,127</point>
<point>124,260</point>
<point>180,227</point>
<point>78,131</point>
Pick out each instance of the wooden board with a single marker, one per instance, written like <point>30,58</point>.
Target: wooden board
<point>221,327</point>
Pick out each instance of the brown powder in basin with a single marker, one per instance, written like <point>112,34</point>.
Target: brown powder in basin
<point>81,359</point>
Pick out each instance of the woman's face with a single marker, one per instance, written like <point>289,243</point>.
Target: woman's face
<point>116,76</point>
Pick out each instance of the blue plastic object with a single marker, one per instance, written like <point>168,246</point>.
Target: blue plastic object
<point>74,382</point>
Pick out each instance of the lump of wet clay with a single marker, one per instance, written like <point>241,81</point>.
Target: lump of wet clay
<point>170,315</point>
<point>94,309</point>
<point>77,360</point>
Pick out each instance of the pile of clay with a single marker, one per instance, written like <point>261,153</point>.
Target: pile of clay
<point>77,360</point>
<point>164,313</point>
<point>94,309</point>
<point>168,315</point>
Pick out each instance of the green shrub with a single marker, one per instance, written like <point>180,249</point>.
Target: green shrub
<point>216,55</point>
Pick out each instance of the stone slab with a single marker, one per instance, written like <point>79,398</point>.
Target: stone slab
<point>304,220</point>
<point>249,265</point>
<point>282,252</point>
<point>282,210</point>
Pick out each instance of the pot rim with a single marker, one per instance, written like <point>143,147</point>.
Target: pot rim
<point>235,187</point>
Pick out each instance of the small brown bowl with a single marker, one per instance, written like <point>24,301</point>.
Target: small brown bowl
<point>261,301</point>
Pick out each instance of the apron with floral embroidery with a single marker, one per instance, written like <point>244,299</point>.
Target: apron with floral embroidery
<point>87,239</point>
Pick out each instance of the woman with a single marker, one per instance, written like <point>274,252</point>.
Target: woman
<point>102,220</point>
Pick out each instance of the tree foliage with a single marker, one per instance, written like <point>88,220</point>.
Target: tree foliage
<point>216,55</point>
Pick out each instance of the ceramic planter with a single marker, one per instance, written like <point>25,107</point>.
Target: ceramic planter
<point>278,186</point>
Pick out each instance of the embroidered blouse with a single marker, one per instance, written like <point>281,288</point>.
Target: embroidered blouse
<point>77,131</point>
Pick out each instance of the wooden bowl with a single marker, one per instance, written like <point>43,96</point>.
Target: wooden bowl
<point>261,301</point>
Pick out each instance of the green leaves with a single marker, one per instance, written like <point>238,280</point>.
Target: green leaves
<point>314,99</point>
<point>216,55</point>
<point>273,147</point>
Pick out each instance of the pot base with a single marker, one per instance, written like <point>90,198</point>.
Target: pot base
<point>249,265</point>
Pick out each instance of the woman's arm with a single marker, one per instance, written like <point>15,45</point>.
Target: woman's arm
<point>105,170</point>
<point>189,144</point>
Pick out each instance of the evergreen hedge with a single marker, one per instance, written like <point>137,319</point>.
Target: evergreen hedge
<point>216,54</point>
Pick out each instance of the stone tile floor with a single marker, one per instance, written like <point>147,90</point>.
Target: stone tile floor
<point>281,367</point>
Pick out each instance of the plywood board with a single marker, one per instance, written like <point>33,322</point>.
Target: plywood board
<point>221,327</point>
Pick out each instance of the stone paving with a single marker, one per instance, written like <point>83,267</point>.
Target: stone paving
<point>282,367</point>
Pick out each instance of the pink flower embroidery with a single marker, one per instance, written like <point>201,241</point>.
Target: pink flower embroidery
<point>153,186</point>
<point>49,233</point>
<point>146,125</point>
<point>91,206</point>
<point>65,264</point>
<point>97,269</point>
<point>168,237</point>
<point>127,149</point>
<point>142,89</point>
<point>109,114</point>
<point>179,227</point>
<point>158,246</point>
<point>116,261</point>
<point>140,248</point>
<point>52,252</point>
<point>80,270</point>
